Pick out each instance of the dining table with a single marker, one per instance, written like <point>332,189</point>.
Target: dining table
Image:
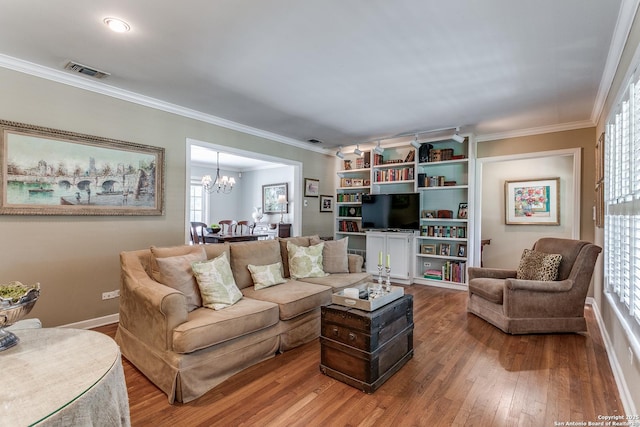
<point>232,237</point>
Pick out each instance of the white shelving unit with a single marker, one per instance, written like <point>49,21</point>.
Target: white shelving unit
<point>444,248</point>
<point>400,170</point>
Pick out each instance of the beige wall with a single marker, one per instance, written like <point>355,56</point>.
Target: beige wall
<point>585,139</point>
<point>76,258</point>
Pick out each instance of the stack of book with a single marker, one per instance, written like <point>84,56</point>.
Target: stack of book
<point>433,274</point>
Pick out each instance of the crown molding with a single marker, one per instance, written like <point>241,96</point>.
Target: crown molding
<point>626,15</point>
<point>84,83</point>
<point>536,131</point>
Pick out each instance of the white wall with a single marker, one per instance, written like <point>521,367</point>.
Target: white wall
<point>254,180</point>
<point>508,241</point>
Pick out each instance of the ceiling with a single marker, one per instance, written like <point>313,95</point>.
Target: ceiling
<point>342,72</point>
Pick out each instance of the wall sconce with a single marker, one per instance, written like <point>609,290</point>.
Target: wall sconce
<point>456,137</point>
<point>378,149</point>
<point>415,143</point>
<point>339,153</point>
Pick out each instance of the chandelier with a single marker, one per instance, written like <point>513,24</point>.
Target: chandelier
<point>220,185</point>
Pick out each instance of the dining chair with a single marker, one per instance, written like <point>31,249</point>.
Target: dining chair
<point>198,230</point>
<point>244,226</point>
<point>226,225</point>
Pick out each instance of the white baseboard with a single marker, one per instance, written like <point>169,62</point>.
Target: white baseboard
<point>623,389</point>
<point>94,323</point>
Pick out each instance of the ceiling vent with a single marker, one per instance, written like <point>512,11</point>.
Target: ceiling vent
<point>314,141</point>
<point>87,71</point>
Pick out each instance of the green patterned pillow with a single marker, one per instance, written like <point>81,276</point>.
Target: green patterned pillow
<point>266,275</point>
<point>217,286</point>
<point>305,261</point>
<point>536,265</point>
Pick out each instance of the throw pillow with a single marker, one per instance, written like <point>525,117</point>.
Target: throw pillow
<point>266,275</point>
<point>334,255</point>
<point>305,261</point>
<point>176,272</point>
<point>536,265</point>
<point>217,286</point>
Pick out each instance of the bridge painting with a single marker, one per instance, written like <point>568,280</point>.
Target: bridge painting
<point>50,175</point>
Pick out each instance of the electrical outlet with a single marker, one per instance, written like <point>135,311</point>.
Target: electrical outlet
<point>426,264</point>
<point>111,295</point>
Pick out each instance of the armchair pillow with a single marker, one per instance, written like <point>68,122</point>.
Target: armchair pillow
<point>217,285</point>
<point>305,261</point>
<point>535,265</point>
<point>266,275</point>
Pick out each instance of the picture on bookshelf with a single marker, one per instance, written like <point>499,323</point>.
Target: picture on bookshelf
<point>445,249</point>
<point>462,210</point>
<point>428,214</point>
<point>462,250</point>
<point>347,165</point>
<point>428,249</point>
<point>410,156</point>
<point>357,182</point>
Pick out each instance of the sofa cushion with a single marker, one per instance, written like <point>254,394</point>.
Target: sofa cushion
<point>260,252</point>
<point>293,297</point>
<point>305,261</point>
<point>206,327</point>
<point>214,251</point>
<point>334,255</point>
<point>284,252</point>
<point>217,286</point>
<point>489,289</point>
<point>172,267</point>
<point>266,275</point>
<point>535,265</point>
<point>339,281</point>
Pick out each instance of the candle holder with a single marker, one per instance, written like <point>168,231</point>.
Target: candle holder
<point>388,282</point>
<point>380,267</point>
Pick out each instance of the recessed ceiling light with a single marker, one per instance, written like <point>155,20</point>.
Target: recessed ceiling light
<point>117,25</point>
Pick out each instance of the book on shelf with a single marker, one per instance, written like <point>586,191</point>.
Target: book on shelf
<point>349,226</point>
<point>390,175</point>
<point>349,197</point>
<point>454,271</point>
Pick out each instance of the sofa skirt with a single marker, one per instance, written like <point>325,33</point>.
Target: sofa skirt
<point>185,377</point>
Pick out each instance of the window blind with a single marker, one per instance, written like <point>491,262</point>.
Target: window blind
<point>622,202</point>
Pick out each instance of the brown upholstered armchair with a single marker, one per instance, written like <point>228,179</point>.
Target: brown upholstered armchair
<point>520,306</point>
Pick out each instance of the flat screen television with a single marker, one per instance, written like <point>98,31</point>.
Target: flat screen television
<point>391,211</point>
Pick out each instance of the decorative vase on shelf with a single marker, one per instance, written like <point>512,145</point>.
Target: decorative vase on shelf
<point>257,214</point>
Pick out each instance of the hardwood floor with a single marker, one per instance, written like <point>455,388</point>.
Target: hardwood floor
<point>464,372</point>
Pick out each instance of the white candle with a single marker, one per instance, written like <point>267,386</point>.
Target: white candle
<point>388,260</point>
<point>351,293</point>
<point>380,258</point>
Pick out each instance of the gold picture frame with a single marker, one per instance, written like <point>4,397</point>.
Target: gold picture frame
<point>48,171</point>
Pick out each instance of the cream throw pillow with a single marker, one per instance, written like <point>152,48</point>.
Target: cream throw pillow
<point>305,261</point>
<point>175,272</point>
<point>217,286</point>
<point>334,255</point>
<point>536,265</point>
<point>266,275</point>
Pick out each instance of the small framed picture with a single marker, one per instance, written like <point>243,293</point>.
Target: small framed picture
<point>445,249</point>
<point>428,214</point>
<point>357,182</point>
<point>428,249</point>
<point>326,203</point>
<point>462,250</point>
<point>311,187</point>
<point>462,210</point>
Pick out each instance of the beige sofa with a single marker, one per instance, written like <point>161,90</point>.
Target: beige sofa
<point>186,349</point>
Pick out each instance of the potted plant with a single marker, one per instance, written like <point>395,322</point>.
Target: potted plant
<point>214,228</point>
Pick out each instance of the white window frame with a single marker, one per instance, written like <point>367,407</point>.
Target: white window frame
<point>196,191</point>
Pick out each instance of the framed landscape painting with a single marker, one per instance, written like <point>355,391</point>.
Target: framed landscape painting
<point>532,202</point>
<point>53,172</point>
<point>270,193</point>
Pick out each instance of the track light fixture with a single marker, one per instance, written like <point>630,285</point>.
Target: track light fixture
<point>378,149</point>
<point>415,143</point>
<point>339,153</point>
<point>456,137</point>
<point>357,151</point>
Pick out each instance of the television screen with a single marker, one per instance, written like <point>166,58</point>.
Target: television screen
<point>391,211</point>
